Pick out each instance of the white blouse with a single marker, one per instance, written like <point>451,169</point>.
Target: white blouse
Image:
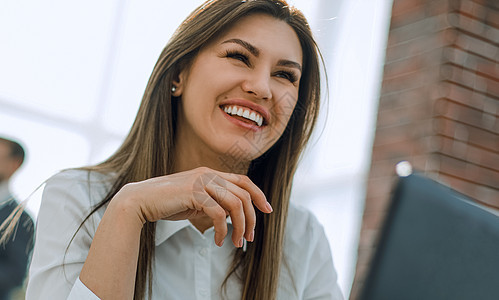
<point>187,264</point>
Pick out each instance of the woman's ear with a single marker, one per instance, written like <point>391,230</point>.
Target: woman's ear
<point>178,82</point>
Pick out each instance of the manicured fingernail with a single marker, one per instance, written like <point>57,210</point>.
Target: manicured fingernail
<point>269,207</point>
<point>240,243</point>
<point>252,236</point>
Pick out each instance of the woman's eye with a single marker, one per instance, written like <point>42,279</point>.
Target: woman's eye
<point>238,56</point>
<point>287,75</point>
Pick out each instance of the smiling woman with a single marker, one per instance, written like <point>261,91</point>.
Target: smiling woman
<point>253,68</point>
<point>227,111</point>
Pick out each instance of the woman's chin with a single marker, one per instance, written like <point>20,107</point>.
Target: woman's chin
<point>237,155</point>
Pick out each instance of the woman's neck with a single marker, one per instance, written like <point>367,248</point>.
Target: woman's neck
<point>188,158</point>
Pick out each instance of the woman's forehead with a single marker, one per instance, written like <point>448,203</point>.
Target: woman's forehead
<point>265,33</point>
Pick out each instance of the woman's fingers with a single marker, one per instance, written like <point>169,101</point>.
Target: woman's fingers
<point>248,210</point>
<point>243,181</point>
<point>217,214</point>
<point>216,194</point>
<point>234,205</point>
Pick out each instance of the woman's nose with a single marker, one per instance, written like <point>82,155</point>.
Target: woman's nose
<point>258,84</point>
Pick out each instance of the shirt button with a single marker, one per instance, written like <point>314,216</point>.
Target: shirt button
<point>203,293</point>
<point>203,251</point>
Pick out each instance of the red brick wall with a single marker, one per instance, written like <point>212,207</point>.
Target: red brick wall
<point>438,108</point>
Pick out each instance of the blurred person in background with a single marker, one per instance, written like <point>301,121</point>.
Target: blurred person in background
<point>15,250</point>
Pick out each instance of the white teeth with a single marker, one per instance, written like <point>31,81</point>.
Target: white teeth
<point>252,116</point>
<point>259,120</point>
<point>245,113</point>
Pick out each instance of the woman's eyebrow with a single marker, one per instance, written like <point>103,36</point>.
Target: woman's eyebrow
<point>253,50</point>
<point>289,63</point>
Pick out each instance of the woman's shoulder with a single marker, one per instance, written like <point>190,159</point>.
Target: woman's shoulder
<point>302,225</point>
<point>74,183</point>
<point>307,256</point>
<point>81,176</point>
<point>298,216</point>
<point>305,249</point>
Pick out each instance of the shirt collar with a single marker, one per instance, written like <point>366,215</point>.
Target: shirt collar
<point>166,229</point>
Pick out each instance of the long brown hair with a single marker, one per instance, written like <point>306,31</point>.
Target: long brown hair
<point>148,149</point>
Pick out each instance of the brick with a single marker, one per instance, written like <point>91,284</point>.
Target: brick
<point>381,169</point>
<point>469,172</point>
<point>474,136</point>
<point>466,96</point>
<point>403,67</point>
<point>357,285</point>
<point>399,100</point>
<point>489,69</point>
<point>437,7</point>
<point>364,256</point>
<point>476,27</point>
<point>451,147</point>
<point>380,187</point>
<point>427,45</point>
<point>413,111</point>
<point>411,130</point>
<point>401,7</point>
<point>406,15</point>
<point>477,46</point>
<point>492,17</point>
<point>378,204</point>
<point>483,157</point>
<point>418,29</point>
<point>470,61</point>
<point>372,220</point>
<point>490,4</point>
<point>478,193</point>
<point>473,9</point>
<point>470,79</point>
<point>409,81</point>
<point>404,82</point>
<point>467,115</point>
<point>457,56</point>
<point>402,150</point>
<point>488,196</point>
<point>465,151</point>
<point>422,163</point>
<point>459,185</point>
<point>368,239</point>
<point>491,34</point>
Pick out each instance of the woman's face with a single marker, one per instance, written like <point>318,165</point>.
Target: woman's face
<point>240,90</point>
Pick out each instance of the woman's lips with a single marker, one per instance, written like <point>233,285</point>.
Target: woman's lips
<point>247,105</point>
<point>244,113</point>
<point>241,121</point>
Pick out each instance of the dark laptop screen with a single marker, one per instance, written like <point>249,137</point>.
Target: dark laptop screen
<point>434,245</point>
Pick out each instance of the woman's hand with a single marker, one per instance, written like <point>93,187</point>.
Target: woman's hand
<point>197,193</point>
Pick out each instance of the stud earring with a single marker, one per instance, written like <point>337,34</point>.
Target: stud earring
<point>174,88</point>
